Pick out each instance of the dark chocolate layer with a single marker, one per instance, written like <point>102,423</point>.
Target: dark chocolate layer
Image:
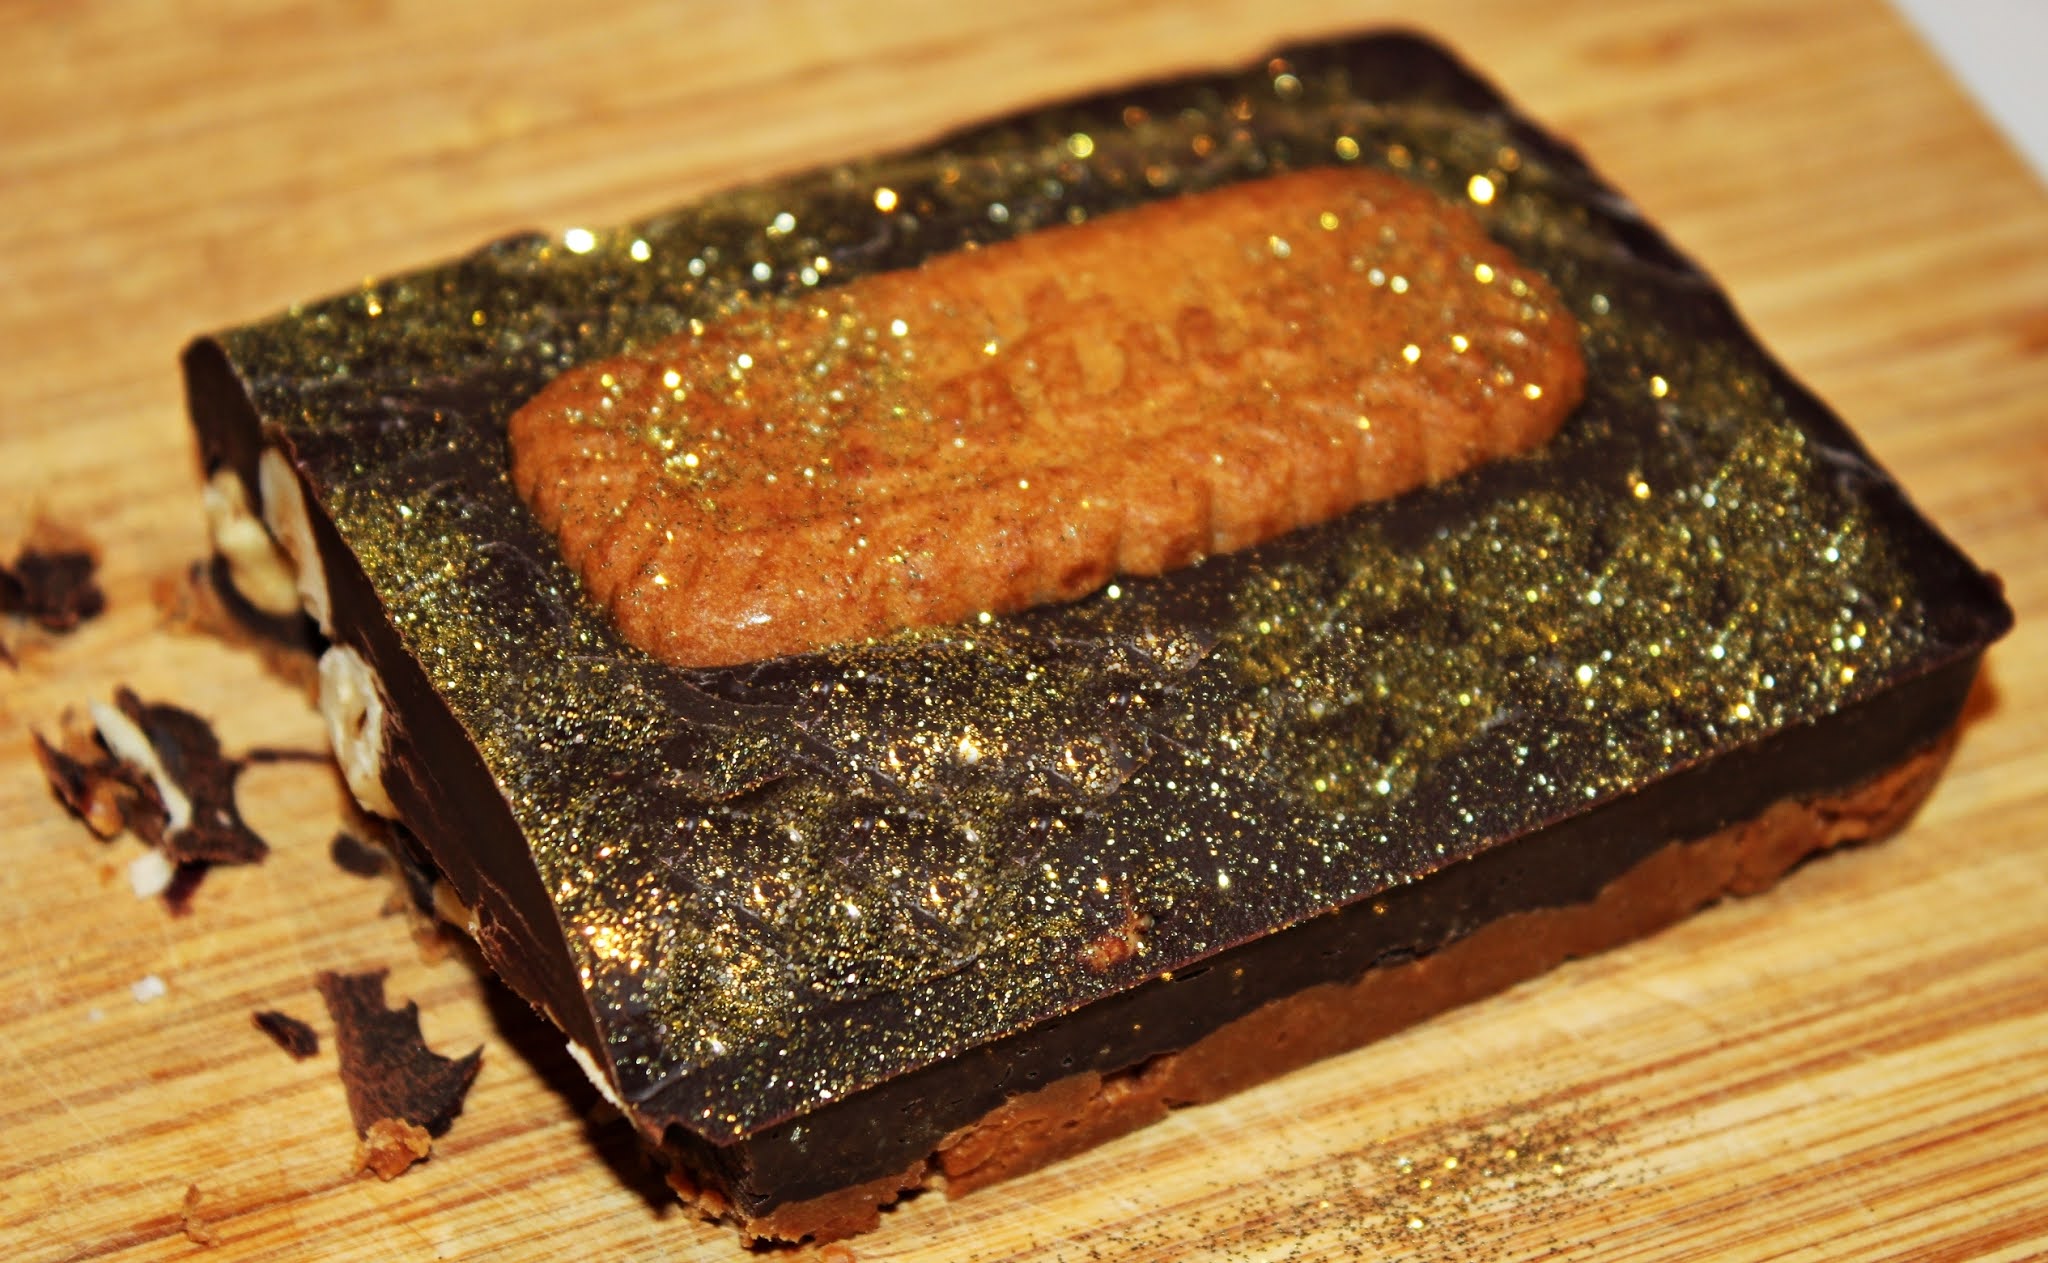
<point>884,1130</point>
<point>783,902</point>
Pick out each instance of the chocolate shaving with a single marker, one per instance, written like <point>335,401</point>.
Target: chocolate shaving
<point>185,881</point>
<point>53,588</point>
<point>111,794</point>
<point>191,756</point>
<point>99,789</point>
<point>290,1034</point>
<point>353,855</point>
<point>386,1066</point>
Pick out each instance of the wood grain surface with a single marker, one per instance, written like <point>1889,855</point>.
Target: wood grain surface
<point>1854,1065</point>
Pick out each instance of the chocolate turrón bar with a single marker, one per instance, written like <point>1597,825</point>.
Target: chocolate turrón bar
<point>961,899</point>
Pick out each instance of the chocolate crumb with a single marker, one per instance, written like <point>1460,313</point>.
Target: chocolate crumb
<point>191,757</point>
<point>52,585</point>
<point>99,789</point>
<point>185,879</point>
<point>386,1066</point>
<point>125,776</point>
<point>197,1230</point>
<point>352,854</point>
<point>290,1034</point>
<point>390,1148</point>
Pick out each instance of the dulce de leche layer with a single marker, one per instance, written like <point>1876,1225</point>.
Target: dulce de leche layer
<point>1017,424</point>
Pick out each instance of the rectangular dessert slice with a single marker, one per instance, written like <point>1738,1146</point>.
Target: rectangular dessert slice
<point>954,901</point>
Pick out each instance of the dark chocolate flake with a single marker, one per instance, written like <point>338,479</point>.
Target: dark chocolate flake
<point>107,782</point>
<point>99,789</point>
<point>353,855</point>
<point>386,1066</point>
<point>52,588</point>
<point>290,1034</point>
<point>185,881</point>
<point>191,756</point>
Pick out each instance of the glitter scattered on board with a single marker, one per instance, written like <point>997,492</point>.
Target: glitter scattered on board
<point>785,883</point>
<point>1476,1186</point>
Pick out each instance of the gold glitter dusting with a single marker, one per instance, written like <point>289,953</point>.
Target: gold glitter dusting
<point>1616,619</point>
<point>783,883</point>
<point>1463,1188</point>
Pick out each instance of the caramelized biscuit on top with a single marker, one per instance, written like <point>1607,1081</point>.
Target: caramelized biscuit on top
<point>1016,424</point>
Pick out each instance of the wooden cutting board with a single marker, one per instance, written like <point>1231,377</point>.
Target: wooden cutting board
<point>1855,1064</point>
